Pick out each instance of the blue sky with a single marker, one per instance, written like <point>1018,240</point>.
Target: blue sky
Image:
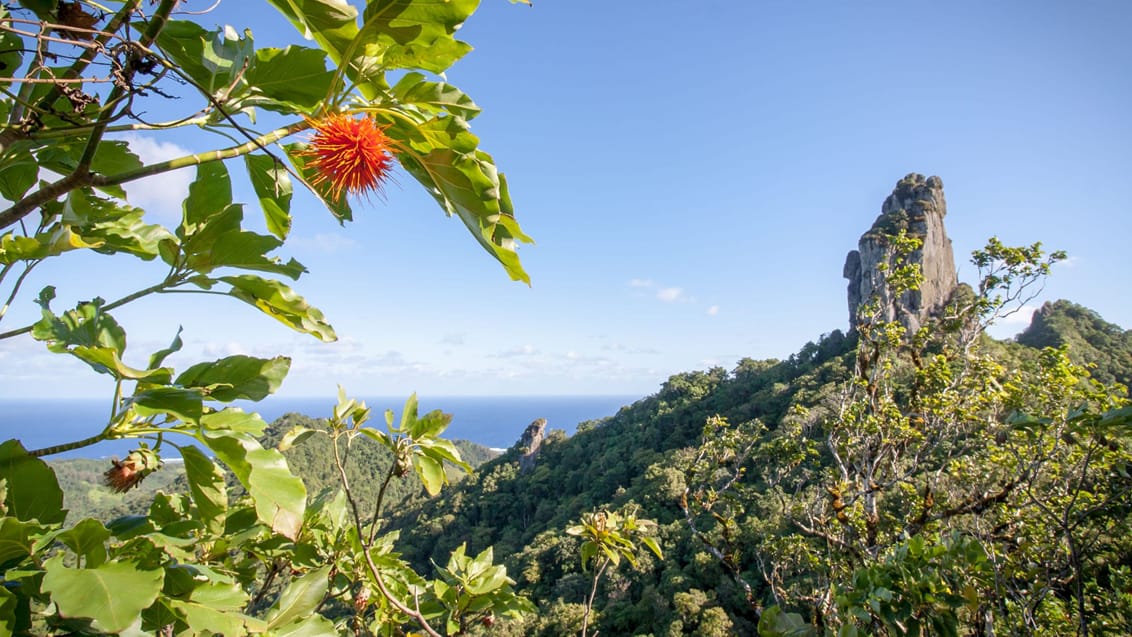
<point>693,179</point>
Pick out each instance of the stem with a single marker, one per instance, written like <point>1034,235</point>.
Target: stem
<point>593,593</point>
<point>377,508</point>
<point>68,446</point>
<point>374,571</point>
<point>16,288</point>
<point>75,180</point>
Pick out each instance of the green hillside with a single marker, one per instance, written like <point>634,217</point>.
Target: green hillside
<point>750,550</point>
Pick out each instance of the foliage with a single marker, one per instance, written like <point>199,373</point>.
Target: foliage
<point>219,559</point>
<point>607,538</point>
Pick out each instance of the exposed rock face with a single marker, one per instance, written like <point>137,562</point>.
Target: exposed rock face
<point>918,207</point>
<point>529,444</point>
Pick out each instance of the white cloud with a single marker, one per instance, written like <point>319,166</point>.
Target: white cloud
<point>453,338</point>
<point>713,310</point>
<point>642,283</point>
<point>670,295</point>
<point>525,350</point>
<point>160,194</point>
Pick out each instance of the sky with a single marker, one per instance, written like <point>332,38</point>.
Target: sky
<point>693,178</point>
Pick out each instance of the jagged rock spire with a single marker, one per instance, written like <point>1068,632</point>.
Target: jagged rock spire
<point>917,206</point>
<point>529,444</point>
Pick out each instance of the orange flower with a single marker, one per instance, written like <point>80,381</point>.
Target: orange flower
<point>350,154</point>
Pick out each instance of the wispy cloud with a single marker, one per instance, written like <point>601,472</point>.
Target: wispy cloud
<point>665,294</point>
<point>516,352</point>
<point>160,194</point>
<point>713,310</point>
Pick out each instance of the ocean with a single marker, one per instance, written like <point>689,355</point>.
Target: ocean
<point>492,421</point>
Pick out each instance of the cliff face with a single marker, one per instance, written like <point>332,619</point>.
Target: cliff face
<point>529,444</point>
<point>917,206</point>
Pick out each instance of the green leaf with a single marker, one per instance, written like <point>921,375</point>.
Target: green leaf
<point>88,539</point>
<point>220,241</point>
<point>295,78</point>
<point>8,603</point>
<point>312,626</point>
<point>207,487</point>
<point>97,593</point>
<point>33,491</point>
<point>272,185</point>
<point>653,546</point>
<point>20,168</point>
<point>281,303</point>
<point>441,155</point>
<point>111,158</point>
<point>331,23</point>
<point>159,356</point>
<point>234,419</point>
<point>431,425</point>
<point>214,62</point>
<point>300,599</point>
<point>294,436</point>
<point>209,195</point>
<point>237,377</point>
<point>183,404</point>
<point>17,541</point>
<point>417,34</point>
<point>279,496</point>
<point>431,472</point>
<point>434,97</point>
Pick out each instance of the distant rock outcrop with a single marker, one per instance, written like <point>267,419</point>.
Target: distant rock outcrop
<point>529,444</point>
<point>916,206</point>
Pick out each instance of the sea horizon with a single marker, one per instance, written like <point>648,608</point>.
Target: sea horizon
<point>492,421</point>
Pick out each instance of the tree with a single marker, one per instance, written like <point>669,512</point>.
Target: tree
<point>943,487</point>
<point>75,75</point>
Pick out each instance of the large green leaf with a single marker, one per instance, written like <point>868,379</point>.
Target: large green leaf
<point>434,97</point>
<point>8,606</point>
<point>111,158</point>
<point>110,226</point>
<point>17,541</point>
<point>300,599</point>
<point>234,419</point>
<point>279,496</point>
<point>331,23</point>
<point>469,186</point>
<point>237,377</point>
<point>220,241</point>
<point>209,194</point>
<point>272,186</point>
<point>310,626</point>
<point>33,492</point>
<point>214,607</point>
<point>417,34</point>
<point>88,540</point>
<point>184,404</point>
<point>20,167</point>
<point>113,594</point>
<point>289,80</point>
<point>206,486</point>
<point>215,60</point>
<point>280,302</point>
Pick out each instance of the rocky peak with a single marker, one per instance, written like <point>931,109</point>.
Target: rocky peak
<point>529,444</point>
<point>916,206</point>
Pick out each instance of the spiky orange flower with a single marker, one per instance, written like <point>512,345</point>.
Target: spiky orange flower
<point>350,154</point>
